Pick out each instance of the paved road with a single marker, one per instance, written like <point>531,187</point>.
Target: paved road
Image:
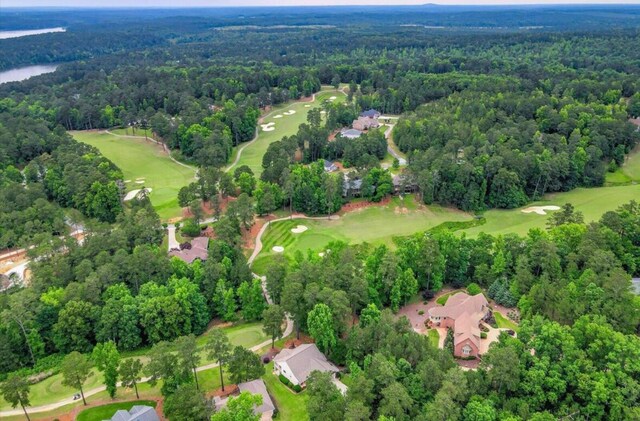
<point>392,151</point>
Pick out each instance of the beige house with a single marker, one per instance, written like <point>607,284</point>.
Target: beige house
<point>365,123</point>
<point>298,363</point>
<point>462,313</point>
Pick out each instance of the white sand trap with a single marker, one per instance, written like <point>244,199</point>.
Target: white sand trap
<point>299,229</point>
<point>127,181</point>
<point>277,116</point>
<point>278,249</point>
<point>540,210</point>
<point>290,112</point>
<point>133,193</point>
<point>140,181</point>
<point>269,127</point>
<point>307,106</point>
<point>323,112</point>
<point>321,254</point>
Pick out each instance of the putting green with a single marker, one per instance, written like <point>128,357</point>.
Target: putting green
<point>591,202</point>
<point>376,225</point>
<point>145,161</point>
<point>285,125</point>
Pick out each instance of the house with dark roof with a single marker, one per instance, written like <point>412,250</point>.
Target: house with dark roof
<point>198,248</point>
<point>255,387</point>
<point>462,313</point>
<point>403,183</point>
<point>371,113</point>
<point>350,133</point>
<point>330,166</point>
<point>136,413</point>
<point>351,188</point>
<point>298,363</point>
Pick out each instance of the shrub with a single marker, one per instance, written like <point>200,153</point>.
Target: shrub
<point>483,335</point>
<point>421,312</point>
<point>473,289</point>
<point>190,228</point>
<point>284,380</point>
<point>297,388</point>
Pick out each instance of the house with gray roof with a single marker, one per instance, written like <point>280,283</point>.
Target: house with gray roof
<point>298,363</point>
<point>197,249</point>
<point>136,413</point>
<point>370,113</point>
<point>330,166</point>
<point>350,133</point>
<point>255,387</point>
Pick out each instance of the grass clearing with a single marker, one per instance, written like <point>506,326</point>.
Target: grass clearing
<point>128,131</point>
<point>143,160</point>
<point>291,406</point>
<point>434,337</point>
<point>442,300</point>
<point>504,322</point>
<point>593,203</point>
<point>376,225</point>
<point>105,412</point>
<point>629,172</point>
<point>287,125</point>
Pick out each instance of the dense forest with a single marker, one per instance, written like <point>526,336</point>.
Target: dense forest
<point>496,108</point>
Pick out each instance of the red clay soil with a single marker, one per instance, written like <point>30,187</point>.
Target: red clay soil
<point>294,343</point>
<point>249,237</point>
<point>207,209</point>
<point>352,206</point>
<point>229,389</point>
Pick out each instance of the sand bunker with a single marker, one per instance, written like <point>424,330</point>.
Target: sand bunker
<point>307,106</point>
<point>299,229</point>
<point>321,254</point>
<point>278,249</point>
<point>333,98</point>
<point>269,127</point>
<point>290,112</point>
<point>540,210</point>
<point>277,116</point>
<point>140,181</point>
<point>133,193</point>
<point>323,112</point>
<point>127,181</point>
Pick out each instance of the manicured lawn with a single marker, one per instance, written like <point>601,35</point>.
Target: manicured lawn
<point>377,225</point>
<point>287,125</point>
<point>434,337</point>
<point>51,389</point>
<point>144,160</point>
<point>504,323</point>
<point>630,170</point>
<point>291,406</point>
<point>105,412</point>
<point>591,202</point>
<point>442,300</point>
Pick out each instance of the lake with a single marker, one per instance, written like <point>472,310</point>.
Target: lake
<point>23,73</point>
<point>27,32</point>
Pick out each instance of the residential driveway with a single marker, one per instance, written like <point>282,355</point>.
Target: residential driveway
<point>492,336</point>
<point>341,386</point>
<point>412,311</point>
<point>173,242</point>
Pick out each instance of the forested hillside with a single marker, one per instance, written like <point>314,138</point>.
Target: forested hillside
<point>492,107</point>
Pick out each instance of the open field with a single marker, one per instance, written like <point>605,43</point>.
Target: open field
<point>376,224</point>
<point>591,202</point>
<point>629,172</point>
<point>286,125</point>
<point>291,406</point>
<point>144,161</point>
<point>51,389</point>
<point>131,132</point>
<point>105,412</point>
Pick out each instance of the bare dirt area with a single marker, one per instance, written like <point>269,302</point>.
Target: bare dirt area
<point>353,206</point>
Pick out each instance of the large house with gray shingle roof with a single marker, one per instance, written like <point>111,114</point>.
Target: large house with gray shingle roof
<point>136,413</point>
<point>298,363</point>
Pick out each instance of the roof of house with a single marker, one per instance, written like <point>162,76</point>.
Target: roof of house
<point>352,133</point>
<point>199,250</point>
<point>257,387</point>
<point>137,413</point>
<point>466,311</point>
<point>329,166</point>
<point>370,113</point>
<point>305,359</point>
<point>635,121</point>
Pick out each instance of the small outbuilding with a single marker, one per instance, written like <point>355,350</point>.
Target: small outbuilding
<point>350,133</point>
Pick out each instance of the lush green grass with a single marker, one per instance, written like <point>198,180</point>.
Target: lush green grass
<point>138,158</point>
<point>434,337</point>
<point>291,406</point>
<point>285,126</point>
<point>442,300</point>
<point>591,202</point>
<point>629,172</point>
<point>376,225</point>
<point>504,323</point>
<point>51,389</point>
<point>105,412</point>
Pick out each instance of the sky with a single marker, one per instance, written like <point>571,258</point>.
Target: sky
<point>227,3</point>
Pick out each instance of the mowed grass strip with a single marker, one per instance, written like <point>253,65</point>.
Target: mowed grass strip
<point>376,225</point>
<point>105,412</point>
<point>630,170</point>
<point>143,160</point>
<point>593,203</point>
<point>286,125</point>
